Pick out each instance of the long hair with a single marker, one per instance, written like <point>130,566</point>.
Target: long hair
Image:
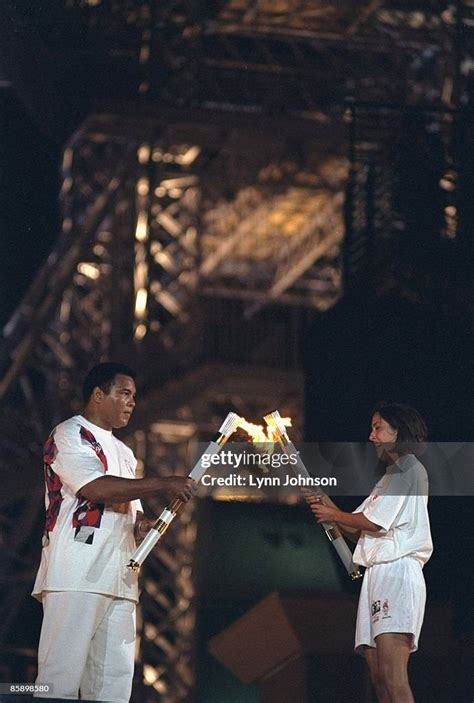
<point>410,426</point>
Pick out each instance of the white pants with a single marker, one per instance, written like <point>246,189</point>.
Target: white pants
<point>392,599</point>
<point>87,644</point>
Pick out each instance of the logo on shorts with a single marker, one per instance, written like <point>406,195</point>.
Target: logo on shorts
<point>385,607</point>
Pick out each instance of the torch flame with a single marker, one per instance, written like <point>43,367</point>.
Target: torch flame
<point>260,435</point>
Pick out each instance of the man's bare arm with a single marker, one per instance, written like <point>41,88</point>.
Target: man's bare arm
<point>113,489</point>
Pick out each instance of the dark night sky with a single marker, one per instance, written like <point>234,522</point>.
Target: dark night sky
<point>42,78</point>
<point>29,213</point>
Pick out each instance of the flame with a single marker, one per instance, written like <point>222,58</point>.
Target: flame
<point>258,434</point>
<point>255,432</point>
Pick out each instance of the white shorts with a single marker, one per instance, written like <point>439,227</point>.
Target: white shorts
<point>392,599</point>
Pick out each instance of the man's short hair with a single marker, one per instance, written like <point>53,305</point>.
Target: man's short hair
<point>102,376</point>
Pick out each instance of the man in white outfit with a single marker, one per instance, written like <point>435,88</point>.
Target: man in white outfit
<point>393,537</point>
<point>93,513</point>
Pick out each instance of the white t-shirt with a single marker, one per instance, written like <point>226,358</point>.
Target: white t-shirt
<point>87,546</point>
<point>399,504</point>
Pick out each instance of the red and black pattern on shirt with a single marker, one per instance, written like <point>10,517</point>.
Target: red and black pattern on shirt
<point>53,484</point>
<point>90,439</point>
<point>88,513</point>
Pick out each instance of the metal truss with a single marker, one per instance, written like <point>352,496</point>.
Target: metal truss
<point>62,325</point>
<point>126,264</point>
<point>313,55</point>
<point>276,245</point>
<point>273,233</point>
<point>291,56</point>
<point>414,241</point>
<point>167,612</point>
<point>167,200</point>
<point>46,331</point>
<point>122,276</point>
<point>85,305</point>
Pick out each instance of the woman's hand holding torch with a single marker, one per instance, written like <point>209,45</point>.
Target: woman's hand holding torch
<point>323,513</point>
<point>316,503</point>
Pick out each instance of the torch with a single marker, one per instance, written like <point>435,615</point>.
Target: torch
<point>332,530</point>
<point>229,426</point>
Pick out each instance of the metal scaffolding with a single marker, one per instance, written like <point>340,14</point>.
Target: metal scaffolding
<point>212,181</point>
<point>124,272</point>
<point>404,231</point>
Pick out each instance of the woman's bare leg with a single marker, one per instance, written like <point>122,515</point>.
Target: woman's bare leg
<point>393,652</point>
<point>370,654</point>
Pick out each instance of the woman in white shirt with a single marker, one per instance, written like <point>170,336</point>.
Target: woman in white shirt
<point>393,537</point>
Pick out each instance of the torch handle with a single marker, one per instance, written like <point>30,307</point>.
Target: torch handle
<point>169,513</point>
<point>334,535</point>
<point>141,552</point>
<point>331,529</point>
<point>174,506</point>
<point>157,531</point>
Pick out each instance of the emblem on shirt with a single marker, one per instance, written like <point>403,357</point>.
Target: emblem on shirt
<point>87,514</point>
<point>84,534</point>
<point>375,607</point>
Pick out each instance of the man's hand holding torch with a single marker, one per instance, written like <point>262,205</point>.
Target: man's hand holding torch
<point>181,488</point>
